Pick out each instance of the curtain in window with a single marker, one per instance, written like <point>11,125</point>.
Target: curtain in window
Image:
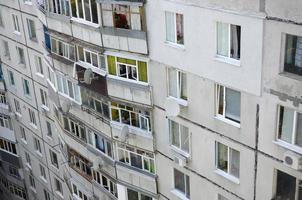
<point>222,157</point>
<point>235,162</point>
<point>299,130</point>
<point>222,39</point>
<point>172,82</point>
<point>142,71</point>
<point>235,42</point>
<point>179,28</point>
<point>286,122</point>
<point>111,65</point>
<point>232,105</point>
<point>170,27</point>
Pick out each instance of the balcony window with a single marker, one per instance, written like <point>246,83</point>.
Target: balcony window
<point>2,98</point>
<point>182,183</point>
<point>105,182</point>
<point>78,193</point>
<point>288,187</point>
<point>92,58</point>
<point>60,7</point>
<point>130,116</point>
<point>99,105</point>
<point>228,40</point>
<point>227,159</point>
<point>13,171</point>
<point>290,126</point>
<point>75,128</point>
<point>177,84</point>
<point>85,10</point>
<point>14,189</point>
<point>5,122</point>
<point>68,88</point>
<point>137,158</point>
<point>174,28</point>
<point>79,163</point>
<point>8,146</point>
<point>179,136</point>
<point>122,16</point>
<point>100,143</point>
<point>293,54</point>
<point>134,195</point>
<point>228,103</point>
<point>128,69</point>
<point>63,49</point>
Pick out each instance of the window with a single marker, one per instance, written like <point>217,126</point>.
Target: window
<point>128,68</point>
<point>27,159</point>
<point>16,23</point>
<point>174,28</point>
<point>8,146</point>
<point>32,117</point>
<point>227,159</point>
<point>21,57</point>
<point>27,1</point>
<point>44,97</point>
<point>85,10</point>
<point>80,163</point>
<point>68,88</point>
<point>293,55</point>
<point>134,195</point>
<point>49,130</point>
<point>182,183</point>
<point>63,49</point>
<point>17,106</point>
<point>32,181</point>
<point>13,171</point>
<point>54,159</point>
<point>75,128</point>
<point>105,182</point>
<point>124,16</point>
<point>79,193</point>
<point>59,7</point>
<point>39,66</point>
<point>5,122</point>
<point>23,133</point>
<point>228,40</point>
<point>288,187</point>
<point>179,136</point>
<point>31,29</point>
<point>137,158</point>
<point>58,186</point>
<point>290,126</point>
<point>14,189</point>
<point>26,87</point>
<point>100,143</point>
<point>1,19</point>
<point>42,172</point>
<point>177,84</point>
<point>11,78</point>
<point>220,197</point>
<point>91,58</point>
<point>6,49</point>
<point>2,98</point>
<point>130,116</point>
<point>228,103</point>
<point>37,145</point>
<point>46,195</point>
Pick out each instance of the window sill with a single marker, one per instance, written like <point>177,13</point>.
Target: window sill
<point>181,102</point>
<point>33,189</point>
<point>39,153</point>
<point>128,80</point>
<point>29,3</point>
<point>28,167</point>
<point>227,60</point>
<point>179,151</point>
<point>228,121</point>
<point>44,107</point>
<point>227,176</point>
<point>291,75</point>
<point>18,114</point>
<point>39,74</point>
<point>179,194</point>
<point>33,125</point>
<point>59,194</point>
<point>43,179</point>
<point>82,21</point>
<point>175,45</point>
<point>34,39</point>
<point>288,146</point>
<point>27,96</point>
<point>24,141</point>
<point>17,33</point>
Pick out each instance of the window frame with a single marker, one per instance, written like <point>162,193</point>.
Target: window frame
<point>184,195</point>
<point>179,149</point>
<point>32,34</point>
<point>175,42</point>
<point>83,19</point>
<point>179,82</point>
<point>16,24</point>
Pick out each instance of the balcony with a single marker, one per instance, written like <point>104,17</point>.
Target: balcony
<point>10,158</point>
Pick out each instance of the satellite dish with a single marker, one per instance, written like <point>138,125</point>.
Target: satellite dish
<point>124,133</point>
<point>88,76</point>
<point>172,107</point>
<point>66,106</point>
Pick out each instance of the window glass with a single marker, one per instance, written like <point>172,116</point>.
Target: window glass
<point>293,55</point>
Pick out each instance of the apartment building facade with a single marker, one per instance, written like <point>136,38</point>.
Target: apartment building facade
<point>145,100</point>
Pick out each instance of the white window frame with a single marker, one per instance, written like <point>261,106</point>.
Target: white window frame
<point>21,55</point>
<point>39,66</point>
<point>54,162</point>
<point>179,82</point>
<point>42,173</point>
<point>26,88</point>
<point>9,147</point>
<point>32,118</point>
<point>31,29</point>
<point>44,98</point>
<point>180,148</point>
<point>37,146</point>
<point>65,49</point>
<point>176,191</point>
<point>78,193</point>
<point>64,90</point>
<point>3,98</point>
<point>175,42</point>
<point>16,24</point>
<point>98,178</point>
<point>92,142</point>
<point>84,13</point>
<point>17,107</point>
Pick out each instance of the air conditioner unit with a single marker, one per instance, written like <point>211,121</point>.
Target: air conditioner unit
<point>292,160</point>
<point>180,160</point>
<point>44,109</point>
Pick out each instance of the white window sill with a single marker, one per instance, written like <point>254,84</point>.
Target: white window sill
<point>128,80</point>
<point>43,179</point>
<point>18,114</point>
<point>179,194</point>
<point>17,33</point>
<point>179,151</point>
<point>33,189</point>
<point>44,107</point>
<point>181,102</point>
<point>28,167</point>
<point>227,60</point>
<point>39,74</point>
<point>27,96</point>
<point>227,176</point>
<point>39,153</point>
<point>59,194</point>
<point>175,45</point>
<point>29,3</point>
<point>288,146</point>
<point>82,21</point>
<point>54,167</point>
<point>228,121</point>
<point>24,141</point>
<point>33,125</point>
